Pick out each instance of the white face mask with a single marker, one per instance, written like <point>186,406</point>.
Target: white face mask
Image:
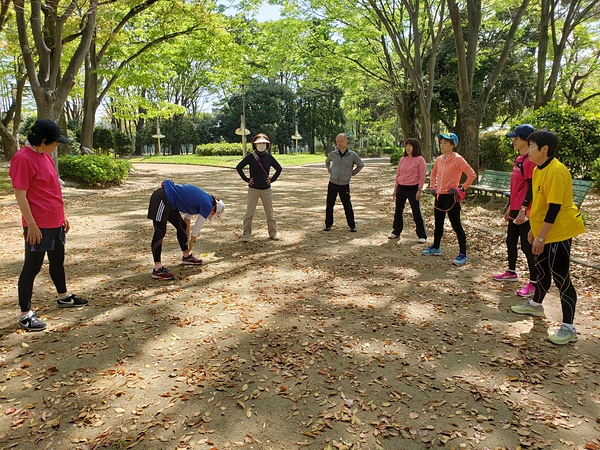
<point>261,147</point>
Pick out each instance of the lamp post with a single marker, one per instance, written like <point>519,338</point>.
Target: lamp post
<point>239,131</point>
<point>158,136</point>
<point>296,137</point>
<point>243,124</point>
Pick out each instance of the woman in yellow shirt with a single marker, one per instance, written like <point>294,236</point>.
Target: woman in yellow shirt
<point>555,220</point>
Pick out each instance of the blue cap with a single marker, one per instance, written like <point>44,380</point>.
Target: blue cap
<point>522,130</point>
<point>450,137</point>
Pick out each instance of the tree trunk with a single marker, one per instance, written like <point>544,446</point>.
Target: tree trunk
<point>139,127</point>
<point>90,94</point>
<point>49,84</point>
<point>469,132</point>
<point>426,137</point>
<point>542,53</point>
<point>472,108</point>
<point>9,143</point>
<point>311,142</point>
<point>405,118</point>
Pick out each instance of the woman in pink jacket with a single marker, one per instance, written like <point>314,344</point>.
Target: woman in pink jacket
<point>445,186</point>
<point>409,185</point>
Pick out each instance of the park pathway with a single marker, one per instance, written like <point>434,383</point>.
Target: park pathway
<point>321,340</point>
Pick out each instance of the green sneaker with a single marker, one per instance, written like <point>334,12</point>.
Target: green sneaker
<point>528,308</point>
<point>563,336</point>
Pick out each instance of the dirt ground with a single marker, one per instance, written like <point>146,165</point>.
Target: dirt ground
<point>321,340</point>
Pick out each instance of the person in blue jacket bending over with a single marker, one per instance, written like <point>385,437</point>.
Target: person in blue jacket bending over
<point>176,204</point>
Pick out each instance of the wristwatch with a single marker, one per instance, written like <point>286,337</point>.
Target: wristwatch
<point>539,239</point>
<point>523,208</point>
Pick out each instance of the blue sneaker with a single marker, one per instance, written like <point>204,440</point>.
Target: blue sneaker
<point>460,260</point>
<point>431,250</point>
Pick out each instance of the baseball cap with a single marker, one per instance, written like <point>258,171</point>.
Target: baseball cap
<point>219,211</point>
<point>522,131</point>
<point>48,129</point>
<point>450,137</point>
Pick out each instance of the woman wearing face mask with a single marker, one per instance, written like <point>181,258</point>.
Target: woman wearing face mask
<point>260,162</point>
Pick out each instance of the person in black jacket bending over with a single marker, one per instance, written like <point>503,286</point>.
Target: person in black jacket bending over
<point>340,165</point>
<point>260,162</point>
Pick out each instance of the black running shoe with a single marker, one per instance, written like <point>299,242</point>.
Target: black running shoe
<point>162,274</point>
<point>71,301</point>
<point>32,323</point>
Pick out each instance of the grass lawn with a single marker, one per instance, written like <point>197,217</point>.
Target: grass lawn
<point>229,161</point>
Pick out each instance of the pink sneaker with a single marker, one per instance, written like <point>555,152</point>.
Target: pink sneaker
<point>527,291</point>
<point>506,276</point>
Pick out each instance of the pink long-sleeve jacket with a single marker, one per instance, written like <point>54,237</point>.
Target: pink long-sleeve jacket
<point>411,171</point>
<point>447,171</point>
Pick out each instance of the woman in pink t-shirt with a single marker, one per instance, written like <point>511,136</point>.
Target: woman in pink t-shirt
<point>409,185</point>
<point>39,197</point>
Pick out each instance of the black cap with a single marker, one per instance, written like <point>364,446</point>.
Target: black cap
<point>522,130</point>
<point>47,129</point>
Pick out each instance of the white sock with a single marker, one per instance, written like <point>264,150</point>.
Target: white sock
<point>569,326</point>
<point>532,303</point>
<point>27,316</point>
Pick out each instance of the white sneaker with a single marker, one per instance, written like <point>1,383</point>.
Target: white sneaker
<point>422,240</point>
<point>529,309</point>
<point>393,236</point>
<point>275,237</point>
<point>563,336</point>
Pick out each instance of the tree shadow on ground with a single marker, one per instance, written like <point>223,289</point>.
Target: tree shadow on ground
<point>319,339</point>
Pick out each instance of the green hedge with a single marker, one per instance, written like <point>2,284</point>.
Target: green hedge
<point>221,149</point>
<point>371,152</point>
<point>395,157</point>
<point>595,173</point>
<point>578,133</point>
<point>496,151</point>
<point>93,170</point>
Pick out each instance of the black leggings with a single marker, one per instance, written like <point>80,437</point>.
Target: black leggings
<point>33,264</point>
<point>409,193</point>
<point>554,262</point>
<point>447,203</point>
<point>513,234</point>
<point>160,229</point>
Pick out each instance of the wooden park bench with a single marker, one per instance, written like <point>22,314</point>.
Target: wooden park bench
<point>497,182</point>
<point>429,166</point>
<point>580,190</point>
<point>493,182</point>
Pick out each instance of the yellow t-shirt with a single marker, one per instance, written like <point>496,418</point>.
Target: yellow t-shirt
<point>553,184</point>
